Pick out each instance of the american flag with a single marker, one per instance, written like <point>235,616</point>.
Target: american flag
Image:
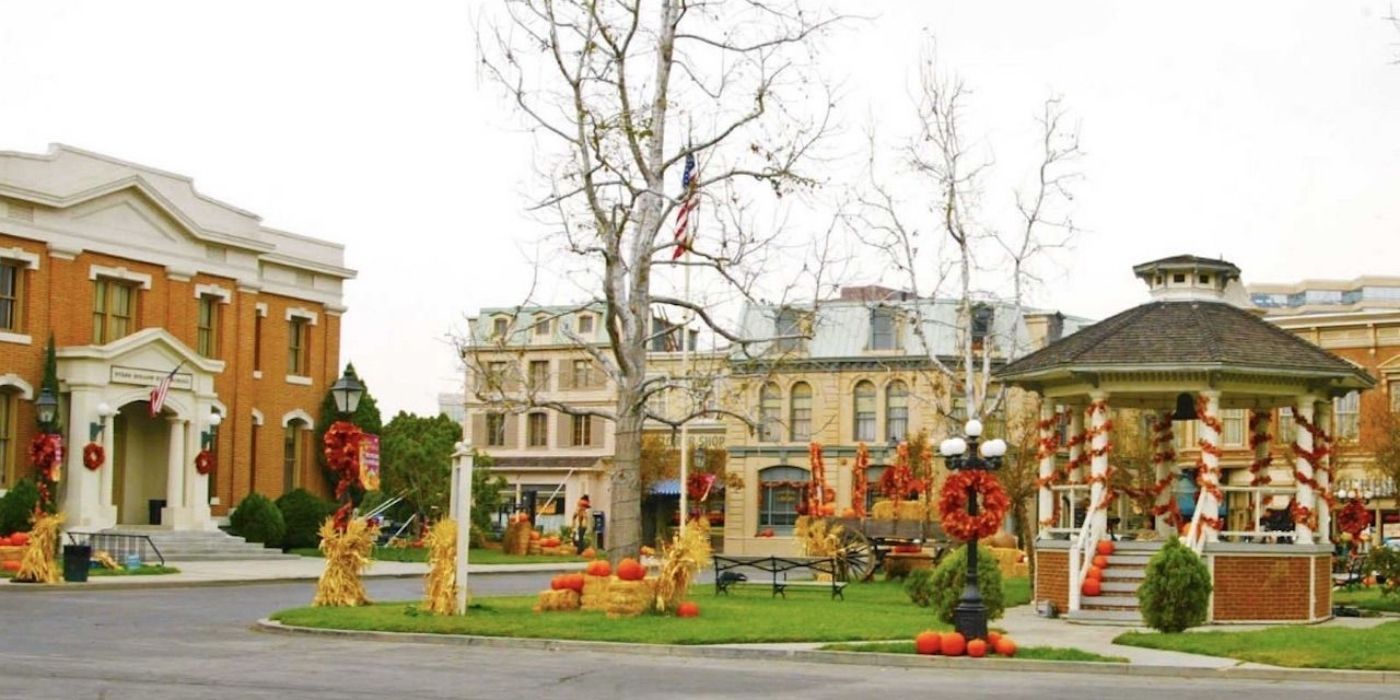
<point>159,391</point>
<point>684,234</point>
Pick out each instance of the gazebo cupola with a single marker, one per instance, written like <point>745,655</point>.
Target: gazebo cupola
<point>1187,278</point>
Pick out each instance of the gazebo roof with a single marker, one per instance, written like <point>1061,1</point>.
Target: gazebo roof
<point>1196,335</point>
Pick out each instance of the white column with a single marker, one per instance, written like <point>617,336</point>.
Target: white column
<point>196,484</point>
<point>174,474</point>
<point>462,513</point>
<point>1098,463</point>
<point>107,508</point>
<point>1210,475</point>
<point>1324,477</point>
<point>1075,470</point>
<point>1045,505</point>
<point>1305,496</point>
<point>1163,464</point>
<point>80,487</point>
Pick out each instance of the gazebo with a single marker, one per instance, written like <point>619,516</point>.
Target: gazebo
<point>1194,350</point>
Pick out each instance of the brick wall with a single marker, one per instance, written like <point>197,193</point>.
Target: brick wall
<point>1322,583</point>
<point>1264,588</point>
<point>1052,578</point>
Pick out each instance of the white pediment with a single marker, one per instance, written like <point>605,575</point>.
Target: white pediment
<point>139,360</point>
<point>130,214</point>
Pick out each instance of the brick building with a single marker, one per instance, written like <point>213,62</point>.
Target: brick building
<point>135,274</point>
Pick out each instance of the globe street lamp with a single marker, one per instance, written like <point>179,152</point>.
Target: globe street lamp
<point>970,616</point>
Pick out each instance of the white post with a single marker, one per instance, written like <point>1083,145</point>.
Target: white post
<point>1075,469</point>
<point>1210,478</point>
<point>1045,504</point>
<point>1098,464</point>
<point>1305,496</point>
<point>1163,458</point>
<point>1324,477</point>
<point>462,514</point>
<point>174,473</point>
<point>105,493</point>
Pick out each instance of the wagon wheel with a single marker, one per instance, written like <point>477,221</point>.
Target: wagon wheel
<point>855,559</point>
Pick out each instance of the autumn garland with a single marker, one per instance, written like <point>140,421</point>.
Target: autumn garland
<point>952,505</point>
<point>1259,477</point>
<point>1047,448</point>
<point>817,494</point>
<point>1090,433</point>
<point>46,454</point>
<point>342,450</point>
<point>860,481</point>
<point>1203,469</point>
<point>1164,452</point>
<point>1302,514</point>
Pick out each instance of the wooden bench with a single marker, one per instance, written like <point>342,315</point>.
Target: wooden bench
<point>779,567</point>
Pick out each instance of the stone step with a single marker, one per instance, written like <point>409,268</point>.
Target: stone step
<point>1109,601</point>
<point>1128,560</point>
<point>1119,586</point>
<point>1106,617</point>
<point>1137,546</point>
<point>1119,573</point>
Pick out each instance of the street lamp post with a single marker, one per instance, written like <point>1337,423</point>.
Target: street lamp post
<point>970,616</point>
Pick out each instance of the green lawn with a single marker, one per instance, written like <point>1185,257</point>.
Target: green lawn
<point>1368,599</point>
<point>1375,649</point>
<point>871,611</point>
<point>1036,653</point>
<point>477,556</point>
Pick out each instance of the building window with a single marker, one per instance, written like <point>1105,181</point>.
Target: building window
<point>583,376</point>
<point>982,317</point>
<point>541,326</point>
<point>113,310</point>
<point>7,438</point>
<point>539,375</point>
<point>537,429</point>
<point>207,327</point>
<point>789,327</point>
<point>292,454</point>
<point>801,412</point>
<point>770,404</point>
<point>253,448</point>
<point>257,342</point>
<point>872,480</point>
<point>1347,414</point>
<point>882,329</point>
<point>585,325</point>
<point>499,327</point>
<point>780,488</point>
<point>865,412</point>
<point>1233,420</point>
<point>496,374</point>
<point>495,429</point>
<point>897,411</point>
<point>299,347</point>
<point>11,299</point>
<point>1287,429</point>
<point>583,431</point>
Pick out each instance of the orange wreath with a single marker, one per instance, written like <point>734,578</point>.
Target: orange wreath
<point>94,456</point>
<point>953,505</point>
<point>204,462</point>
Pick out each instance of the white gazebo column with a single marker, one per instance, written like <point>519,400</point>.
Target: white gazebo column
<point>196,484</point>
<point>1259,422</point>
<point>1324,472</point>
<point>80,486</point>
<point>1074,471</point>
<point>1209,478</point>
<point>1163,469</point>
<point>174,475</point>
<point>107,508</point>
<point>1305,500</point>
<point>1045,504</point>
<point>1098,460</point>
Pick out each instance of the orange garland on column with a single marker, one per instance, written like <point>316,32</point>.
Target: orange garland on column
<point>1047,448</point>
<point>1202,469</point>
<point>1302,514</point>
<point>1164,452</point>
<point>860,481</point>
<point>1090,433</point>
<point>342,449</point>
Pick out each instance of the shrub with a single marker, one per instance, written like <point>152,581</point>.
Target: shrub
<point>1175,592</point>
<point>303,513</point>
<point>17,507</point>
<point>257,520</point>
<point>941,588</point>
<point>1383,561</point>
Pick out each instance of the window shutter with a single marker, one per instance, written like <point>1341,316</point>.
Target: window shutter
<point>566,375</point>
<point>479,437</point>
<point>512,431</point>
<point>595,428</point>
<point>566,430</point>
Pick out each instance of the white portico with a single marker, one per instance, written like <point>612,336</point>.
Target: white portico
<point>149,459</point>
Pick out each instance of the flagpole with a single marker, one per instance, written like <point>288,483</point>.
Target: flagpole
<point>685,427</point>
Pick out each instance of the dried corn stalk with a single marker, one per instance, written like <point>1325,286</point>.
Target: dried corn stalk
<point>819,537</point>
<point>440,586</point>
<point>38,565</point>
<point>347,556</point>
<point>680,562</point>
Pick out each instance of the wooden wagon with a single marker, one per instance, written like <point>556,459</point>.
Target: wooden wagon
<point>865,543</point>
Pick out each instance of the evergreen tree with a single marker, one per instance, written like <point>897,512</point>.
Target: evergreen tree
<point>1175,592</point>
<point>366,416</point>
<point>51,383</point>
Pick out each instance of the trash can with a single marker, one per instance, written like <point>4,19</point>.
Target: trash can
<point>154,507</point>
<point>75,562</point>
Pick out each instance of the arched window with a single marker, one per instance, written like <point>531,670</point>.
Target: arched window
<point>780,488</point>
<point>9,408</point>
<point>770,407</point>
<point>897,411</point>
<point>865,412</point>
<point>294,453</point>
<point>801,421</point>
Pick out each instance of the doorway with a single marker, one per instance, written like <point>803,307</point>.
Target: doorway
<point>141,451</point>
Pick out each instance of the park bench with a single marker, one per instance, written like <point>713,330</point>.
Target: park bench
<point>726,575</point>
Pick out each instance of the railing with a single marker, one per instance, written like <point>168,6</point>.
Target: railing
<point>1257,496</point>
<point>1081,556</point>
<point>120,546</point>
<point>1072,511</point>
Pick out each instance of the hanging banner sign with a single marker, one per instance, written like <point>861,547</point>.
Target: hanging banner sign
<point>369,462</point>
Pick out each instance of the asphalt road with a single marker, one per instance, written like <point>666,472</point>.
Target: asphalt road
<point>197,643</point>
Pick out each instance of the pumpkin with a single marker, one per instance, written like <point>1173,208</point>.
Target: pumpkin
<point>1369,581</point>
<point>992,639</point>
<point>630,570</point>
<point>598,568</point>
<point>19,539</point>
<point>952,644</point>
<point>1101,561</point>
<point>829,509</point>
<point>4,541</point>
<point>1105,547</point>
<point>9,565</point>
<point>557,583</point>
<point>535,535</point>
<point>688,609</point>
<point>927,643</point>
<point>1091,587</point>
<point>589,553</point>
<point>977,648</point>
<point>1094,573</point>
<point>574,582</point>
<point>848,513</point>
<point>1005,647</point>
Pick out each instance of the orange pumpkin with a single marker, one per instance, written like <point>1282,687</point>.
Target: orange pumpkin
<point>19,539</point>
<point>977,648</point>
<point>828,509</point>
<point>688,609</point>
<point>848,513</point>
<point>1094,573</point>
<point>927,643</point>
<point>599,568</point>
<point>1101,561</point>
<point>557,583</point>
<point>1006,647</point>
<point>9,565</point>
<point>952,644</point>
<point>1091,587</point>
<point>4,541</point>
<point>574,582</point>
<point>589,553</point>
<point>992,639</point>
<point>630,570</point>
<point>535,535</point>
<point>1105,547</point>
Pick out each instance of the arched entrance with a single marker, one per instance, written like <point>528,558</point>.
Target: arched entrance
<point>140,462</point>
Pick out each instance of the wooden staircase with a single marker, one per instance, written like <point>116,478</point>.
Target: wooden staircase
<point>1118,603</point>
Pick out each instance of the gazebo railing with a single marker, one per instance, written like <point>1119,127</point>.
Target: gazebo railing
<point>1257,496</point>
<point>1081,557</point>
<point>1075,491</point>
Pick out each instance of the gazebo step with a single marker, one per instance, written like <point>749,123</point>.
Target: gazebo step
<point>1128,559</point>
<point>1119,586</point>
<point>1109,601</point>
<point>1122,574</point>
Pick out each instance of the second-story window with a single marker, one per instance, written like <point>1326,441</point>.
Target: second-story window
<point>542,327</point>
<point>583,431</point>
<point>865,412</point>
<point>789,331</point>
<point>499,327</point>
<point>582,374</point>
<point>495,429</point>
<point>539,375</point>
<point>113,310</point>
<point>882,329</point>
<point>207,326</point>
<point>1394,397</point>
<point>770,403</point>
<point>801,412</point>
<point>537,429</point>
<point>1347,410</point>
<point>257,342</point>
<point>299,346</point>
<point>11,299</point>
<point>897,411</point>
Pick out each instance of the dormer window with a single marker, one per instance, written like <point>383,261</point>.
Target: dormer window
<point>541,326</point>
<point>1179,278</point>
<point>882,329</point>
<point>498,327</point>
<point>585,324</point>
<point>1205,279</point>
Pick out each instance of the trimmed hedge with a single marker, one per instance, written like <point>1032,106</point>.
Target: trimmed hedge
<point>257,519</point>
<point>1175,592</point>
<point>303,513</point>
<point>17,507</point>
<point>941,588</point>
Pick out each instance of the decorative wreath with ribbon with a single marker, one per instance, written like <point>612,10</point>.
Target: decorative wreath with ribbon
<point>94,456</point>
<point>1353,518</point>
<point>953,505</point>
<point>204,462</point>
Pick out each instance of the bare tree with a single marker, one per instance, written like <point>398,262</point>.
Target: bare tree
<point>623,94</point>
<point>942,245</point>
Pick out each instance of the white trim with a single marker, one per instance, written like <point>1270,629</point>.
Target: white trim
<point>31,260</point>
<point>298,379</point>
<point>257,374</point>
<point>261,308</point>
<point>297,311</point>
<point>213,290</point>
<point>16,338</point>
<point>26,390</point>
<point>257,417</point>
<point>120,273</point>
<point>297,414</point>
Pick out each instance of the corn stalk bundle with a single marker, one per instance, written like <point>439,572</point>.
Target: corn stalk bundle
<point>347,556</point>
<point>819,537</point>
<point>552,601</point>
<point>440,586</point>
<point>630,598</point>
<point>38,565</point>
<point>687,554</point>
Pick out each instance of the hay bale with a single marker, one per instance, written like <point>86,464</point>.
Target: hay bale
<point>517,538</point>
<point>1002,540</point>
<point>629,598</point>
<point>555,601</point>
<point>595,592</point>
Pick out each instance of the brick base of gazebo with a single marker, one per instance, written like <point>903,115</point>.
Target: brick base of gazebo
<point>1259,583</point>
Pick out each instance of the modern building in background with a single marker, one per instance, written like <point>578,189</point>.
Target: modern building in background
<point>136,275</point>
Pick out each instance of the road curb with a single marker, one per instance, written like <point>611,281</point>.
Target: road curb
<point>92,585</point>
<point>845,657</point>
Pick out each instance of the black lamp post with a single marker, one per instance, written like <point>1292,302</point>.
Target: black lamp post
<point>970,616</point>
<point>347,392</point>
<point>46,409</point>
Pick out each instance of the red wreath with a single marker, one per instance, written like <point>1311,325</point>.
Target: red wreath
<point>204,462</point>
<point>94,456</point>
<point>1354,518</point>
<point>953,505</point>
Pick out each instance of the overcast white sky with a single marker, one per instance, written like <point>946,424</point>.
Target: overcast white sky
<point>1266,132</point>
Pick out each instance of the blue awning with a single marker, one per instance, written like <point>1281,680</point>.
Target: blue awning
<point>672,487</point>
